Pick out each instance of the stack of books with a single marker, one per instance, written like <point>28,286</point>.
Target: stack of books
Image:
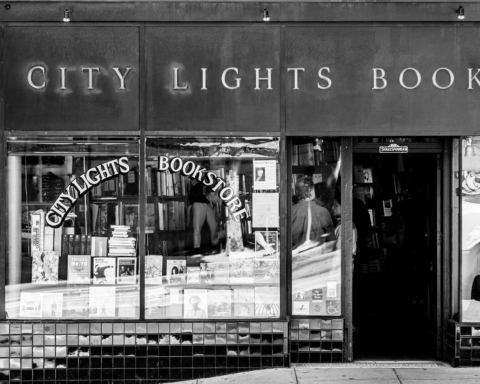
<point>121,243</point>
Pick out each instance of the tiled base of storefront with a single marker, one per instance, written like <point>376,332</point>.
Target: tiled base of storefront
<point>463,344</point>
<point>137,352</point>
<point>316,341</point>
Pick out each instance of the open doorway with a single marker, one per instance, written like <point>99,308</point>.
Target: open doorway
<point>396,216</point>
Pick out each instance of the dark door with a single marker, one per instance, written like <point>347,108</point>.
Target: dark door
<point>397,219</point>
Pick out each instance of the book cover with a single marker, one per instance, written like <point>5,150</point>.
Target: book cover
<point>103,270</point>
<point>267,271</point>
<point>220,271</point>
<point>153,269</point>
<point>31,304</point>
<point>267,301</point>
<point>156,301</point>
<point>243,302</point>
<point>77,245</point>
<point>241,270</point>
<point>266,244</point>
<point>176,270</point>
<point>193,275</point>
<point>99,246</point>
<point>219,303</point>
<point>128,306</point>
<point>358,173</point>
<point>52,305</point>
<point>387,207</point>
<point>76,304</point>
<point>83,245</point>
<point>45,267</point>
<point>175,302</point>
<point>88,245</point>
<point>37,230</point>
<point>195,303</point>
<point>64,246</point>
<point>317,305</point>
<point>79,267</point>
<point>367,175</point>
<point>127,270</point>
<point>48,243</point>
<point>150,218</point>
<point>102,302</point>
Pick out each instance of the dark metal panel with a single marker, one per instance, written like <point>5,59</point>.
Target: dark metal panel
<point>217,108</point>
<point>352,105</point>
<point>105,107</point>
<point>236,11</point>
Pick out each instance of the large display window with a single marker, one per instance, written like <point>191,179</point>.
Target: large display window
<point>73,209</point>
<point>470,233</point>
<point>212,228</point>
<point>316,227</point>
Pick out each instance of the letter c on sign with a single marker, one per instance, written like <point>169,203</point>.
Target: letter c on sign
<point>30,74</point>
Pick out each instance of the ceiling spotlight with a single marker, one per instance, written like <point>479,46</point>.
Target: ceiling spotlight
<point>266,17</point>
<point>66,15</point>
<point>461,13</point>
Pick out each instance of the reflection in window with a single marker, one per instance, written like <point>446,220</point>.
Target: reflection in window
<point>212,228</point>
<point>72,229</point>
<point>315,227</point>
<point>470,186</point>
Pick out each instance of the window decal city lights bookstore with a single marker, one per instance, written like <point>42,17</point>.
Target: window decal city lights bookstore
<point>209,179</point>
<point>93,177</point>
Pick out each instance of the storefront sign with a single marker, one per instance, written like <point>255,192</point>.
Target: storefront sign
<point>393,148</point>
<point>93,177</point>
<point>207,178</point>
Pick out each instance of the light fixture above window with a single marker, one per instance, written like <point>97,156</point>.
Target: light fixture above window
<point>266,16</point>
<point>66,15</point>
<point>461,13</point>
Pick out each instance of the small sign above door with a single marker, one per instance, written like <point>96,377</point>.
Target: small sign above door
<point>393,148</point>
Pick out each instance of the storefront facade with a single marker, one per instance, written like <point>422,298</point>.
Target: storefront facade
<point>182,183</point>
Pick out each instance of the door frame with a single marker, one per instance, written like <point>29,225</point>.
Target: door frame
<point>443,149</point>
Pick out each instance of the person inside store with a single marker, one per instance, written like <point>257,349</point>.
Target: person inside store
<point>311,224</point>
<point>201,199</point>
<point>323,196</point>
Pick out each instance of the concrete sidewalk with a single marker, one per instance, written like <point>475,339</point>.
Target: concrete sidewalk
<point>301,375</point>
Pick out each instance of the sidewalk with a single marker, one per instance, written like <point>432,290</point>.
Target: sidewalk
<point>303,375</point>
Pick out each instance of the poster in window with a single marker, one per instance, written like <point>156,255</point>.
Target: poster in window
<point>127,270</point>
<point>45,267</point>
<point>153,269</point>
<point>266,244</point>
<point>127,304</point>
<point>267,301</point>
<point>104,270</point>
<point>195,303</point>
<point>265,210</point>
<point>243,302</point>
<point>156,301</point>
<point>76,304</point>
<point>79,269</point>
<point>216,272</point>
<point>265,174</point>
<point>31,304</point>
<point>241,270</point>
<point>102,301</point>
<point>267,271</point>
<point>52,305</point>
<point>219,303</point>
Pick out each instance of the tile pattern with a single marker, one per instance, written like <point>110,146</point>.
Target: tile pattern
<point>463,344</point>
<point>316,341</point>
<point>137,352</point>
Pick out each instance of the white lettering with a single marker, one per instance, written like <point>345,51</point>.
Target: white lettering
<point>122,77</point>
<point>321,76</point>
<point>176,81</point>
<point>237,80</point>
<point>419,78</point>
<point>258,78</point>
<point>471,78</point>
<point>204,79</point>
<point>295,76</point>
<point>30,74</point>
<point>379,74</point>
<point>434,78</point>
<point>90,75</point>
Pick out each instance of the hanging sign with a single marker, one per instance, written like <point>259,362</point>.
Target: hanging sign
<point>207,178</point>
<point>93,177</point>
<point>393,148</point>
